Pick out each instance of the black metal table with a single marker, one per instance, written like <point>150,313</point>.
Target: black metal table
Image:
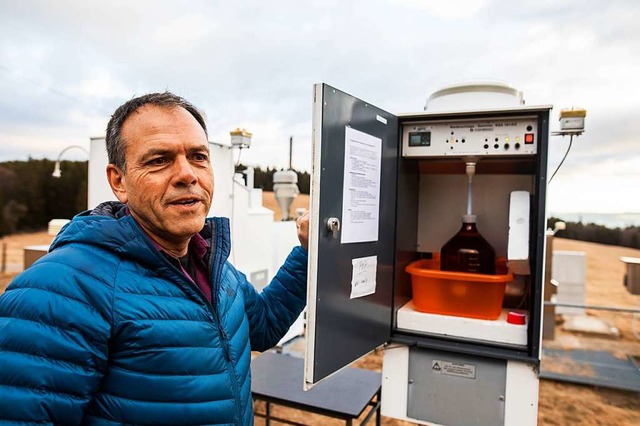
<point>278,379</point>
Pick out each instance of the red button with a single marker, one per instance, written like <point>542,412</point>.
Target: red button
<point>528,138</point>
<point>516,318</point>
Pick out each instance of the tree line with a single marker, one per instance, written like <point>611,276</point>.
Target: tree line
<point>624,237</point>
<point>264,178</point>
<point>30,196</point>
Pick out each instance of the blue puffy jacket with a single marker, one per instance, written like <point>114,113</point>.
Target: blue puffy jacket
<point>105,330</point>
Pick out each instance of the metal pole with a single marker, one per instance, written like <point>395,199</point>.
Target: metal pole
<point>379,402</point>
<point>600,308</point>
<point>57,172</point>
<point>290,152</point>
<point>549,311</point>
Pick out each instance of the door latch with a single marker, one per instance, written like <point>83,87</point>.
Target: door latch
<point>333,225</point>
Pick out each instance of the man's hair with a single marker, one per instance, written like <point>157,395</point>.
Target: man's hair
<point>115,142</point>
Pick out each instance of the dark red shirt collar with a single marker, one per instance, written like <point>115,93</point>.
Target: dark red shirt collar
<point>198,246</point>
<point>197,251</point>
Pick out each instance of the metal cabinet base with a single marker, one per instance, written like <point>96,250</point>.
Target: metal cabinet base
<point>445,388</point>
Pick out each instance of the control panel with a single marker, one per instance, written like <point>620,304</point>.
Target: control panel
<point>465,137</point>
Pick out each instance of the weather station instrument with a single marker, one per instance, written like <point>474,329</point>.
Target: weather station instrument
<point>460,321</point>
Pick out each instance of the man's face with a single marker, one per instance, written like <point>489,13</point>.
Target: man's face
<point>168,183</point>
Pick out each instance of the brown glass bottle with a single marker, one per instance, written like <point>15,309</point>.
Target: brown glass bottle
<point>468,251</point>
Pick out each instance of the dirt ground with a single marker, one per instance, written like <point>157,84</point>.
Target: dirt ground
<point>269,201</point>
<point>567,404</point>
<point>560,403</point>
<point>12,251</point>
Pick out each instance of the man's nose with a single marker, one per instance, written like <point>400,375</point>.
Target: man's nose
<point>183,172</point>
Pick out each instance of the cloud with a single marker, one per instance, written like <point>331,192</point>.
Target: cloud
<point>609,188</point>
<point>452,10</point>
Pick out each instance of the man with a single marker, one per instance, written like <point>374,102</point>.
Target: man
<point>135,316</point>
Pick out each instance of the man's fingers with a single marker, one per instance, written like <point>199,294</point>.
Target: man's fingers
<point>302,223</point>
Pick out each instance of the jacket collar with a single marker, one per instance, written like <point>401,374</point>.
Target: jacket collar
<point>110,228</point>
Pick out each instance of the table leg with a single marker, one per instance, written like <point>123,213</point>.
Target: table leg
<point>378,398</point>
<point>267,421</point>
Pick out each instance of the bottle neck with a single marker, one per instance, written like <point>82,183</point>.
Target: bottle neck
<point>469,222</point>
<point>469,226</point>
<point>469,218</point>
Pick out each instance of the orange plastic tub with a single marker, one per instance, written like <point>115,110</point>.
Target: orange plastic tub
<point>458,293</point>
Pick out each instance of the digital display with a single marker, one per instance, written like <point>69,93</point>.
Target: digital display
<point>420,139</point>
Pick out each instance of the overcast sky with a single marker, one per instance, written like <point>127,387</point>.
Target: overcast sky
<point>66,65</point>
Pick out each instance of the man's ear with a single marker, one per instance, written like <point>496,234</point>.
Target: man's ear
<point>116,178</point>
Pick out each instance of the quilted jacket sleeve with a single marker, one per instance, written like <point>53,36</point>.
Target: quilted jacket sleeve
<point>53,344</point>
<point>272,312</point>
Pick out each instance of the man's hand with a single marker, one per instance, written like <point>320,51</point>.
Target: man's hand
<point>302,223</point>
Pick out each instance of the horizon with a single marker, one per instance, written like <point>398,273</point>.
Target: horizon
<point>550,213</point>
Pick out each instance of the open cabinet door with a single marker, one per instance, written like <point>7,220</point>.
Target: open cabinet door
<point>352,231</point>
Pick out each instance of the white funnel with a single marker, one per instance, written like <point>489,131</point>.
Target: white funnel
<point>286,190</point>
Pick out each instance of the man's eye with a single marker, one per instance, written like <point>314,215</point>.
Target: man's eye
<point>158,161</point>
<point>200,157</point>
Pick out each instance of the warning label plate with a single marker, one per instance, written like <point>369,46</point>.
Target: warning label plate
<point>450,368</point>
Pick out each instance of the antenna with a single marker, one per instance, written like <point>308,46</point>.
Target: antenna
<point>290,152</point>
<point>285,185</point>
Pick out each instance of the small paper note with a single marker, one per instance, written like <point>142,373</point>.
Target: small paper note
<point>363,278</point>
